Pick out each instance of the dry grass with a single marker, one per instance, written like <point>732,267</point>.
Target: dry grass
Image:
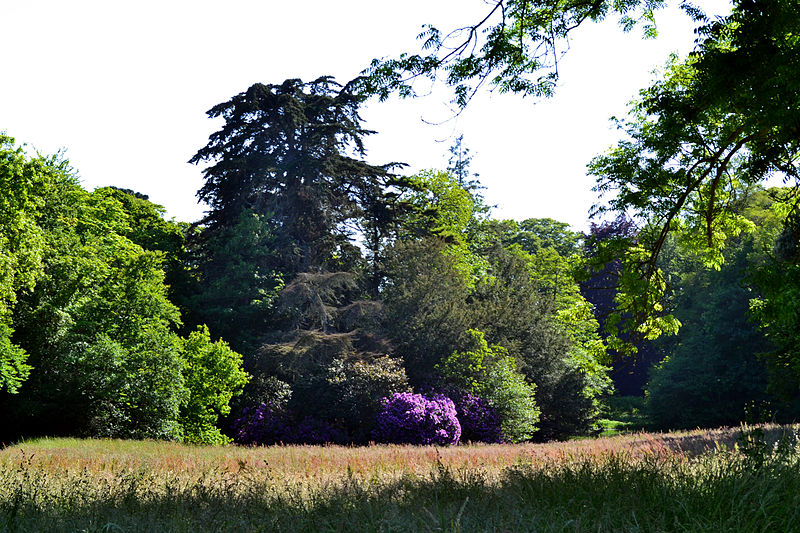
<point>637,482</point>
<point>63,455</point>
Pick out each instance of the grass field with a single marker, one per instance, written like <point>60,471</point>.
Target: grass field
<point>691,481</point>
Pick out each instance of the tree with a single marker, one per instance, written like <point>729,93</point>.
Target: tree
<point>458,165</point>
<point>234,285</point>
<point>779,284</point>
<point>599,286</point>
<point>148,228</point>
<point>430,305</point>
<point>442,207</point>
<point>491,374</point>
<point>213,376</point>
<point>21,180</point>
<point>290,152</point>
<point>98,328</point>
<point>515,47</point>
<point>724,119</point>
<point>717,123</point>
<point>550,253</point>
<point>425,306</point>
<point>551,334</point>
<point>538,233</point>
<point>97,325</point>
<point>713,373</point>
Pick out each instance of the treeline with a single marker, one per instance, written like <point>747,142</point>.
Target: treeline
<point>88,331</point>
<point>346,286</point>
<point>343,285</point>
<point>326,299</point>
<point>725,365</point>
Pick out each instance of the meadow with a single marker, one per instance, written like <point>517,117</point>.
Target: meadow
<point>738,479</point>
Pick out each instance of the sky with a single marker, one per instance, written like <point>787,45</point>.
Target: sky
<point>122,88</point>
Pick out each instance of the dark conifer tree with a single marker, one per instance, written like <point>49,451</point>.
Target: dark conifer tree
<point>279,272</point>
<point>293,153</point>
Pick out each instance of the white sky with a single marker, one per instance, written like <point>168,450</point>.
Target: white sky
<point>124,86</point>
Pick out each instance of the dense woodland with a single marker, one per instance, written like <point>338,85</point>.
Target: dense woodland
<point>324,298</point>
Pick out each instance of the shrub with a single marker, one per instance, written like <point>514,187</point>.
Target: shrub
<point>512,396</point>
<point>269,423</point>
<point>491,374</point>
<point>352,392</point>
<point>312,430</point>
<point>409,418</point>
<point>131,391</point>
<point>213,375</point>
<point>479,421</point>
<point>264,423</point>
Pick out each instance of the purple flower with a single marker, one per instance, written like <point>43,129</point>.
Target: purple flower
<point>479,421</point>
<point>265,423</point>
<point>270,424</point>
<point>417,419</point>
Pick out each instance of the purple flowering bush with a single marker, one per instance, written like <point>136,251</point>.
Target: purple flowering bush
<point>480,422</point>
<point>268,423</point>
<point>264,423</point>
<point>408,418</point>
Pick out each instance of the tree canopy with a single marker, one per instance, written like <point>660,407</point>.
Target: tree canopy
<point>321,294</point>
<point>722,120</point>
<point>515,47</point>
<point>290,152</point>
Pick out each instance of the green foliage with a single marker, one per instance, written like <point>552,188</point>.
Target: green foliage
<point>289,190</point>
<point>98,325</point>
<point>236,283</point>
<point>468,370</point>
<point>425,305</point>
<point>13,369</point>
<point>490,373</point>
<point>622,414</point>
<point>551,253</point>
<point>514,47</point>
<point>776,309</point>
<point>21,181</point>
<point>444,208</point>
<point>513,398</point>
<point>458,165</point>
<point>429,305</point>
<point>548,328</point>
<point>130,390</point>
<point>312,301</point>
<point>712,371</point>
<point>535,234</point>
<point>351,392</point>
<point>451,206</point>
<point>716,124</point>
<point>213,376</point>
<point>554,274</point>
<point>148,228</point>
<point>715,371</point>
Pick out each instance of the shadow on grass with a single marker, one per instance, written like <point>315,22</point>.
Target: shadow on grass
<point>658,492</point>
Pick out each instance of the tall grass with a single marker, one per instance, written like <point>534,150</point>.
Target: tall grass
<point>692,481</point>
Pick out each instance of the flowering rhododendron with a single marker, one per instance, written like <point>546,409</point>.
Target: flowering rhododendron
<point>268,423</point>
<point>263,424</point>
<point>410,418</point>
<point>479,421</point>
